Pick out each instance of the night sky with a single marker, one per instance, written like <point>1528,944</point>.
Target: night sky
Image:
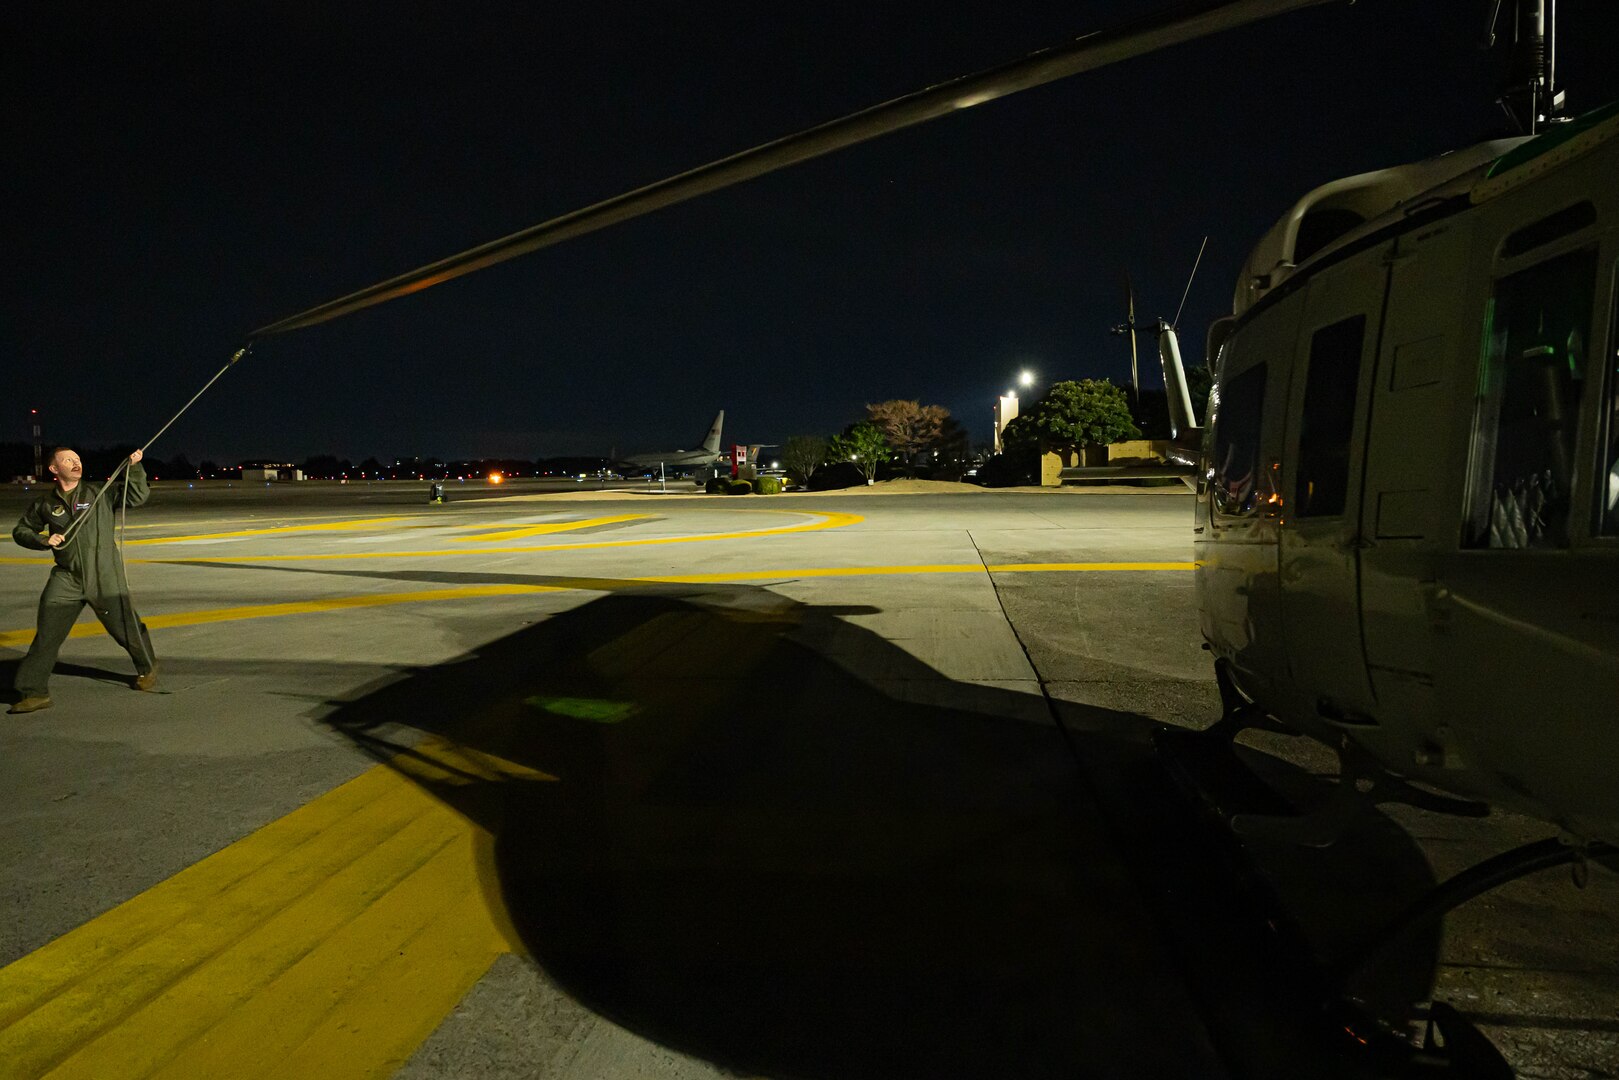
<point>179,173</point>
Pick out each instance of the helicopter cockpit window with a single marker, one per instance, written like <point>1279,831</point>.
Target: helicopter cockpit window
<point>1329,418</point>
<point>1533,375</point>
<point>1236,481</point>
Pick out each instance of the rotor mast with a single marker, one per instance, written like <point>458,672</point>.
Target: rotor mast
<point>1530,95</point>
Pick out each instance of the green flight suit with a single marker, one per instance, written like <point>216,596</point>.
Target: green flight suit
<point>88,571</point>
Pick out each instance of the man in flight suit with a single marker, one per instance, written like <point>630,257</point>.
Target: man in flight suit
<point>88,571</point>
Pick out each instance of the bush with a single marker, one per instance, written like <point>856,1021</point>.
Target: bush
<point>1009,470</point>
<point>839,474</point>
<point>717,485</point>
<point>767,485</point>
<point>739,487</point>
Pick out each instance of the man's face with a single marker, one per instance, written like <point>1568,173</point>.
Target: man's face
<point>67,467</point>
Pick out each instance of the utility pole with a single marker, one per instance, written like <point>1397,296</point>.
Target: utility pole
<point>1130,321</point>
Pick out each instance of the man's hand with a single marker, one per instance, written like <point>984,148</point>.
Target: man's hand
<point>135,457</point>
<point>55,539</point>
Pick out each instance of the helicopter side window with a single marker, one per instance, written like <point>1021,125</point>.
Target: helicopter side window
<point>1533,374</point>
<point>1329,418</point>
<point>1235,486</point>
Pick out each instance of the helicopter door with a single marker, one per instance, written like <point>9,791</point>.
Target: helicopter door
<point>1408,504</point>
<point>1320,531</point>
<point>1238,595</point>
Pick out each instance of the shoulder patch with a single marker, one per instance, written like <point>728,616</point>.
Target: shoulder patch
<point>57,511</point>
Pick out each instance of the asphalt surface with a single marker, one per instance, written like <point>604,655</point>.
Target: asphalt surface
<point>622,784</point>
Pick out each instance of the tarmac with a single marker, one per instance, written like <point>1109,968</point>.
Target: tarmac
<point>534,784</point>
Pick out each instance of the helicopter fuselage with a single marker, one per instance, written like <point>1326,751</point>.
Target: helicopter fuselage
<point>1407,531</point>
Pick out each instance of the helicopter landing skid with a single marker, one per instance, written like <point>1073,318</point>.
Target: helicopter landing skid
<point>1205,762</point>
<point>1436,903</point>
<point>1207,769</point>
<point>1237,713</point>
<point>1362,784</point>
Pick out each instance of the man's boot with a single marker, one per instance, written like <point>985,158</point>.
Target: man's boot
<point>30,704</point>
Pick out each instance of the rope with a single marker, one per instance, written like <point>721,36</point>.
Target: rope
<point>135,639</point>
<point>123,466</point>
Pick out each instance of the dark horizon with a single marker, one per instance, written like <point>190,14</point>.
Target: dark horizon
<point>181,178</point>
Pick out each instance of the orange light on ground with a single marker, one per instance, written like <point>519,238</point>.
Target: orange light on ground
<point>496,478</point>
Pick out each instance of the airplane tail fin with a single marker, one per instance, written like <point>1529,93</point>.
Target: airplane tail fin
<point>711,441</point>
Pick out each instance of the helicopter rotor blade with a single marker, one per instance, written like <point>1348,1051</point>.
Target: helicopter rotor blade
<point>1185,22</point>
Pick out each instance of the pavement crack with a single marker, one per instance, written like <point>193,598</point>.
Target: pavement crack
<point>1028,657</point>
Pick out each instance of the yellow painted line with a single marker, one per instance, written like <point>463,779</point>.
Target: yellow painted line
<point>331,526</point>
<point>20,638</point>
<point>828,521</point>
<point>520,531</point>
<point>934,568</point>
<point>1085,567</point>
<point>336,938</point>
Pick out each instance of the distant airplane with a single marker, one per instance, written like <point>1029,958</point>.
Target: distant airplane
<point>705,456</point>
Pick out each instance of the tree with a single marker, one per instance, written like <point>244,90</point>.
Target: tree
<point>326,466</point>
<point>864,445</point>
<point>1019,460</point>
<point>1090,412</point>
<point>1150,413</point>
<point>1021,435</point>
<point>803,454</point>
<point>1199,381</point>
<point>951,450</point>
<point>909,426</point>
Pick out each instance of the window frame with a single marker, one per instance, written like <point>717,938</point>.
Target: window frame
<point>1302,458</point>
<point>1606,441</point>
<point>1590,239</point>
<point>1260,372</point>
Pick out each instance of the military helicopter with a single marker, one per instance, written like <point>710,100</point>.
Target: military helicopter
<point>1407,529</point>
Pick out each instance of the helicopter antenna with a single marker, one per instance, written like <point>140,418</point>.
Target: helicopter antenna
<point>1489,30</point>
<point>1189,280</point>
<point>1530,96</point>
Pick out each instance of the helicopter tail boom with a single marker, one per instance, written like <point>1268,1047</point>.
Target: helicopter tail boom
<point>1184,432</point>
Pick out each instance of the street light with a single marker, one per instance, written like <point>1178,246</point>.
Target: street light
<point>1025,378</point>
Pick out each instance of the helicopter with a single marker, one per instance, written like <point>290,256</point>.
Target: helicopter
<point>1407,523</point>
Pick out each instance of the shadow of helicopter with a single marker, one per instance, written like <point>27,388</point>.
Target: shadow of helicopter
<point>754,856</point>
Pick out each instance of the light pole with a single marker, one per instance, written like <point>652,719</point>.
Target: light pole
<point>39,447</point>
